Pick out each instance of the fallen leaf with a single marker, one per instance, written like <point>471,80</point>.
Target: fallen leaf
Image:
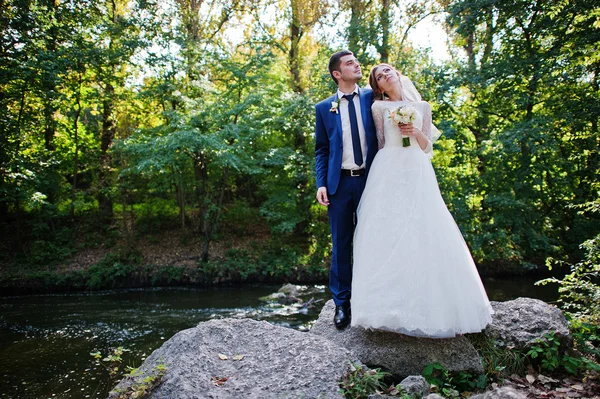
<point>544,380</point>
<point>223,357</point>
<point>219,381</point>
<point>238,357</point>
<point>577,387</point>
<point>530,378</point>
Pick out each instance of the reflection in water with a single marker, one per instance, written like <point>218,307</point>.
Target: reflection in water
<point>46,340</point>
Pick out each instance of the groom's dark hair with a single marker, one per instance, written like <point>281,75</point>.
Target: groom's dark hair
<point>335,61</point>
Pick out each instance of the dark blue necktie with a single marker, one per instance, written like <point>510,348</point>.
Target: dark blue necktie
<point>358,156</point>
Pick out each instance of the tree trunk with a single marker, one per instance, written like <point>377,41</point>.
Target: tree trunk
<point>354,28</point>
<point>49,83</point>
<point>105,202</point>
<point>211,223</point>
<point>128,225</point>
<point>384,15</point>
<point>76,140</point>
<point>294,57</point>
<point>181,201</point>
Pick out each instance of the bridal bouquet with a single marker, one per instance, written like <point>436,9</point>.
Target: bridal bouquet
<point>403,115</point>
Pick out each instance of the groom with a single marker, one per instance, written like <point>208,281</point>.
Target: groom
<point>345,145</point>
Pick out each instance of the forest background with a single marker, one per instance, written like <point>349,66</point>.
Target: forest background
<point>156,142</point>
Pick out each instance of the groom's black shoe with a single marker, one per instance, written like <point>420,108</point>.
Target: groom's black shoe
<point>342,316</point>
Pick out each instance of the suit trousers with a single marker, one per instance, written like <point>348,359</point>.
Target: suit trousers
<point>342,220</point>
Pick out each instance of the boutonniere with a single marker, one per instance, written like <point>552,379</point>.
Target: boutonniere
<point>334,105</point>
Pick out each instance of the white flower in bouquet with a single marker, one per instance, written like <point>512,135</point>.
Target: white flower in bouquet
<point>403,115</point>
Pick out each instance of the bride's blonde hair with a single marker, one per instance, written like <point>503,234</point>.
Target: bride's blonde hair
<point>377,93</point>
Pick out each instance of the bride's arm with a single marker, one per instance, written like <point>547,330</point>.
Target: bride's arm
<point>377,112</point>
<point>423,135</point>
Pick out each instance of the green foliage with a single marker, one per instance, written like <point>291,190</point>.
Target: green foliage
<point>112,363</point>
<point>144,384</point>
<point>167,274</point>
<point>154,215</point>
<point>511,130</point>
<point>47,247</point>
<point>239,217</point>
<point>587,340</point>
<point>547,354</point>
<point>113,114</point>
<point>271,263</point>
<point>451,385</point>
<point>359,382</point>
<point>580,289</point>
<point>579,293</point>
<point>113,270</point>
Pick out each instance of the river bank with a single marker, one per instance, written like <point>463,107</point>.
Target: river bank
<point>172,259</point>
<point>168,260</point>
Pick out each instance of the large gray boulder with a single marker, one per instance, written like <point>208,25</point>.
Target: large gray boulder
<point>399,354</point>
<point>262,361</point>
<point>517,323</point>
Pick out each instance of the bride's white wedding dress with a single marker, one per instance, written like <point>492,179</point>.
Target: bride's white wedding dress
<point>413,272</point>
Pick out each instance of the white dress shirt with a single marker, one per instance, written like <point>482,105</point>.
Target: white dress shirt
<point>348,150</point>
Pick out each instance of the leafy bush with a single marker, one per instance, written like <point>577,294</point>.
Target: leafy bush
<point>580,299</point>
<point>450,385</point>
<point>239,216</point>
<point>580,289</point>
<point>113,270</point>
<point>49,245</point>
<point>271,263</point>
<point>154,214</point>
<point>546,354</point>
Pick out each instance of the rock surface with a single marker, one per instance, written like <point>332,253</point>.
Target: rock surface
<point>277,362</point>
<point>399,354</point>
<point>289,290</point>
<point>415,385</point>
<point>500,393</point>
<point>521,321</point>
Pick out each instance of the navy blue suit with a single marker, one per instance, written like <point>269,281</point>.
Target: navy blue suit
<point>343,191</point>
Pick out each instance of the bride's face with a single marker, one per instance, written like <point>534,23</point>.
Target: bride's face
<point>386,77</point>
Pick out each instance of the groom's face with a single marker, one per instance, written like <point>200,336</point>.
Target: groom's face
<point>350,70</point>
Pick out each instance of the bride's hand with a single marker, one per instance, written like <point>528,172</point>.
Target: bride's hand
<point>407,129</point>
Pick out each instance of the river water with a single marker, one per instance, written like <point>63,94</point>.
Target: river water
<point>46,340</point>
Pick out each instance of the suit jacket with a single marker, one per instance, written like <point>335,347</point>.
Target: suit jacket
<point>328,140</point>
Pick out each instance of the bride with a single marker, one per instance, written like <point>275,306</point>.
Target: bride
<point>413,272</point>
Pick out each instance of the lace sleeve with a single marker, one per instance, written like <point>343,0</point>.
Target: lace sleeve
<point>377,112</point>
<point>426,128</point>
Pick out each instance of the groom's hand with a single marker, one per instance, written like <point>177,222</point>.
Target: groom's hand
<point>322,196</point>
